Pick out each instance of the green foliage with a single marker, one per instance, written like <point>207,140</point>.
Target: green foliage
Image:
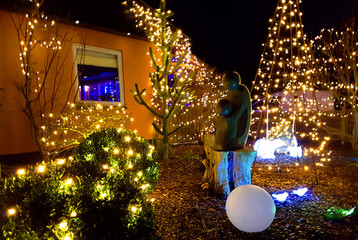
<point>100,193</point>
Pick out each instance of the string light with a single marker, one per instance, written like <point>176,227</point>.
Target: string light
<point>11,212</point>
<point>77,122</point>
<point>41,168</point>
<point>206,83</point>
<point>21,171</point>
<point>283,90</point>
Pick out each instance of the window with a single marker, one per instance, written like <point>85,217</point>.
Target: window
<point>99,73</point>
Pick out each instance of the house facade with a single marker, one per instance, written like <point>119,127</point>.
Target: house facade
<point>109,64</point>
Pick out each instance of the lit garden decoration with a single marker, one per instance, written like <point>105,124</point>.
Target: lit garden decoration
<point>338,214</point>
<point>281,197</point>
<point>283,93</point>
<point>100,193</point>
<point>281,140</point>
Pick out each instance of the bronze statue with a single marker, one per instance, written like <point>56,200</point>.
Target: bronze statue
<point>233,122</point>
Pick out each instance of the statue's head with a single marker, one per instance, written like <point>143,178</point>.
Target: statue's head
<point>223,107</point>
<point>231,80</point>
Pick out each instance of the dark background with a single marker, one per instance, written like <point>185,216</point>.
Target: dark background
<point>229,34</point>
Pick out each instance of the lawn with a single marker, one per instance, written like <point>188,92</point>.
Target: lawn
<point>185,209</point>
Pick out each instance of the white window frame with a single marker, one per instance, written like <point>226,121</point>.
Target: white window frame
<point>117,53</point>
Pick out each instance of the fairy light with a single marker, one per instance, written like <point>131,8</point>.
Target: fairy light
<point>69,181</point>
<point>61,161</point>
<point>206,83</point>
<point>41,168</point>
<point>102,188</point>
<point>283,88</point>
<point>21,171</point>
<point>11,212</point>
<point>36,32</point>
<point>335,52</point>
<point>77,122</point>
<point>63,225</point>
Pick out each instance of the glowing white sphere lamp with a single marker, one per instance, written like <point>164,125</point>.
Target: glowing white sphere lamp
<point>250,208</point>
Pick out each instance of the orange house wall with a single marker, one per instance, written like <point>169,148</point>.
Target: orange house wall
<point>15,129</point>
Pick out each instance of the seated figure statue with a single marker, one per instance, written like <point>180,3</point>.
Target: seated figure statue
<point>233,122</point>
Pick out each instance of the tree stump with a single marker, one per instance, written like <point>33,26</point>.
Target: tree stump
<point>243,160</point>
<point>216,172</point>
<point>220,173</point>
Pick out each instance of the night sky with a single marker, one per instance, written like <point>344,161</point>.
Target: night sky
<point>229,34</point>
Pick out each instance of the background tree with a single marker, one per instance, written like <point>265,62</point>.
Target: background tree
<point>335,70</point>
<point>40,44</point>
<point>170,95</point>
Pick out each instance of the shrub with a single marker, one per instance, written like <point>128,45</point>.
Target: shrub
<point>100,193</point>
<point>64,131</point>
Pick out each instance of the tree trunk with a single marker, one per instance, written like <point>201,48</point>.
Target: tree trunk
<point>344,125</point>
<point>355,131</point>
<point>165,140</point>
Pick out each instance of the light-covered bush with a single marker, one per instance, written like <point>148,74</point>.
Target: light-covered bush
<point>99,193</point>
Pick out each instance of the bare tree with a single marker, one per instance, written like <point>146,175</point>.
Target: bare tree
<point>335,69</point>
<point>171,97</point>
<point>42,62</point>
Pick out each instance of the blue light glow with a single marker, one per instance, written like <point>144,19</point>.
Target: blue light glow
<point>280,197</point>
<point>300,191</point>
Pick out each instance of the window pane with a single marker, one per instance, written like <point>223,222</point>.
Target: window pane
<point>98,83</point>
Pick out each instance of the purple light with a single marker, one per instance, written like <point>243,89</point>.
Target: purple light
<point>300,191</point>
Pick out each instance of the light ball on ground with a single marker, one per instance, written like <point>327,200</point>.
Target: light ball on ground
<point>250,208</point>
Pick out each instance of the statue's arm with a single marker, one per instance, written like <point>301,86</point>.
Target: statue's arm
<point>246,102</point>
<point>238,114</point>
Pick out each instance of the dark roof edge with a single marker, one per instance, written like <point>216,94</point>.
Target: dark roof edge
<point>71,23</point>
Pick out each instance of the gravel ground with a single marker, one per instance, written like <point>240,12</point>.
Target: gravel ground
<point>185,210</point>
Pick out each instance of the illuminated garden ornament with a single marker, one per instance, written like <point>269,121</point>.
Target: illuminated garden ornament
<point>266,148</point>
<point>337,213</point>
<point>250,208</point>
<point>283,86</point>
<point>280,196</point>
<point>300,191</point>
<point>280,141</point>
